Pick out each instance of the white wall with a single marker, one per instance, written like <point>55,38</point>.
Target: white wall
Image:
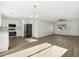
<point>35,28</point>
<point>44,28</point>
<point>73,28</point>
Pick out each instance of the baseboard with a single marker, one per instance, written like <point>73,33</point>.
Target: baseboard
<point>66,35</point>
<point>56,35</point>
<point>44,36</point>
<point>51,35</point>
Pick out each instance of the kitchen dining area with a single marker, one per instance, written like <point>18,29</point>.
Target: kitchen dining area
<point>13,33</point>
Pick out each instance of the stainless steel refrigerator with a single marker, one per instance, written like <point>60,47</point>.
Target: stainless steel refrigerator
<point>28,30</point>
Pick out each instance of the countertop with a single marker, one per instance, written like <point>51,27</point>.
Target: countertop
<point>3,30</point>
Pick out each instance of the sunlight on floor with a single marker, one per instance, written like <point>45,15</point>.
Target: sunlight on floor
<point>29,51</point>
<point>42,50</point>
<point>30,40</point>
<point>53,51</point>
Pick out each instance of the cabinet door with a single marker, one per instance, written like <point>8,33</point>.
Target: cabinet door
<point>4,42</point>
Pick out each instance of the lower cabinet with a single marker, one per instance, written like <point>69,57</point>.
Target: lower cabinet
<point>4,41</point>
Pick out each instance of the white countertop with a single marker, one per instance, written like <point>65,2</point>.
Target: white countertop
<point>3,30</point>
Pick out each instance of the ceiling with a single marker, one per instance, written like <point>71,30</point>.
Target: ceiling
<point>47,10</point>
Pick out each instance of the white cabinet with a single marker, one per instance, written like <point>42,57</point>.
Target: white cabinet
<point>0,20</point>
<point>6,22</point>
<point>4,41</point>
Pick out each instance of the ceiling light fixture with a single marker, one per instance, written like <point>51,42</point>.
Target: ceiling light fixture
<point>35,16</point>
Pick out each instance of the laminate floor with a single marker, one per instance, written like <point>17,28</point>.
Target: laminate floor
<point>69,42</point>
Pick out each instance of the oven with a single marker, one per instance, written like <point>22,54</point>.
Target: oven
<point>12,33</point>
<point>12,30</point>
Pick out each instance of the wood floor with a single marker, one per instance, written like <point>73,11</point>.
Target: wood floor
<point>69,42</point>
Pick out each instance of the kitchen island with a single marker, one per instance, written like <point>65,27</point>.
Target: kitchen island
<point>4,40</point>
